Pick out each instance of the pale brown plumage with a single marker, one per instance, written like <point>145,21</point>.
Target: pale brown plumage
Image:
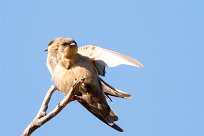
<point>88,51</point>
<point>52,50</point>
<point>67,63</point>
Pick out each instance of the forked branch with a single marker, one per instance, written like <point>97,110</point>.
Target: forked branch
<point>42,117</point>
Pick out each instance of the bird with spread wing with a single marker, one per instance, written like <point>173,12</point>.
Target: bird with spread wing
<point>68,62</point>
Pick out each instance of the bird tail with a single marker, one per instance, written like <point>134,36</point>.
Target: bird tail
<point>109,90</point>
<point>108,120</point>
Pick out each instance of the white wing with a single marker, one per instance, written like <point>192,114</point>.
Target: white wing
<point>107,57</point>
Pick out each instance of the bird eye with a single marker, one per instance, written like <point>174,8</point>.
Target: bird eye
<point>65,44</point>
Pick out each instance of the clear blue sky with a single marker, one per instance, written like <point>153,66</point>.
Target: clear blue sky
<point>166,36</point>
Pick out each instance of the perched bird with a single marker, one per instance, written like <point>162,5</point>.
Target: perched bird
<point>66,63</point>
<point>96,54</point>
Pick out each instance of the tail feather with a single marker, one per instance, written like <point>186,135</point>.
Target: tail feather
<point>115,118</point>
<point>109,90</point>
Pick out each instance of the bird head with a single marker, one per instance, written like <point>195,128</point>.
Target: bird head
<point>52,51</point>
<point>67,48</point>
<point>53,47</point>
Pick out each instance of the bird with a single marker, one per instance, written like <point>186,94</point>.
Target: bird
<point>67,62</point>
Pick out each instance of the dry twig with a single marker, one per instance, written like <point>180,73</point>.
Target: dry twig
<point>41,118</point>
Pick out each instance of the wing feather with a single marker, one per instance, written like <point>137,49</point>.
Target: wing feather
<point>107,57</point>
<point>115,126</point>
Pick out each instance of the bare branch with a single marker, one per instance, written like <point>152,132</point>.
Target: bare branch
<point>45,102</point>
<point>41,118</point>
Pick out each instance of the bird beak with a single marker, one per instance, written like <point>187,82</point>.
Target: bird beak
<point>73,44</point>
<point>45,50</point>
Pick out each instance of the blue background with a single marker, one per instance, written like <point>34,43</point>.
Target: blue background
<point>166,36</point>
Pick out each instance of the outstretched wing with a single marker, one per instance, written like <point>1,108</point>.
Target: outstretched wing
<point>108,57</point>
<point>104,57</point>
